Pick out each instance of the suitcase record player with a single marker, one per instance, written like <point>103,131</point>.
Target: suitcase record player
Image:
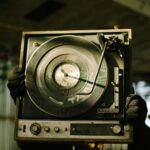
<point>76,85</point>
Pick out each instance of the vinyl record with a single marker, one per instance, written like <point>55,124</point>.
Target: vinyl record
<point>60,75</point>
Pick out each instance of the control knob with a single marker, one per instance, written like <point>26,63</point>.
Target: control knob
<point>117,129</point>
<point>35,128</point>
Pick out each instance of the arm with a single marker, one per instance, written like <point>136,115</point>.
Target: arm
<point>16,84</point>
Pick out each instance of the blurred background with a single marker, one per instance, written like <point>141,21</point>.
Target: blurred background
<point>26,15</point>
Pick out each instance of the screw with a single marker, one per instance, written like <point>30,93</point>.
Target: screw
<point>36,44</point>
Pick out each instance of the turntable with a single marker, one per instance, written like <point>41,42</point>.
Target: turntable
<point>76,86</point>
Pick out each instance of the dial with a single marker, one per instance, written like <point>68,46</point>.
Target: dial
<point>35,128</point>
<point>67,75</point>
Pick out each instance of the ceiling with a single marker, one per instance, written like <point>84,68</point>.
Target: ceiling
<point>24,15</point>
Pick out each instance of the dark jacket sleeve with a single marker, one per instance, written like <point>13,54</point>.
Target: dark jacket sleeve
<point>141,138</point>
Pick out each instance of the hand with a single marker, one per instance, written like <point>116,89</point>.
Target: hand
<point>136,110</point>
<point>16,83</point>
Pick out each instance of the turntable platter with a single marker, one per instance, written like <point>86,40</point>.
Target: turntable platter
<point>67,75</point>
<point>60,70</point>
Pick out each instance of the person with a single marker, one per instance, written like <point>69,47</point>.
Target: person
<point>136,112</point>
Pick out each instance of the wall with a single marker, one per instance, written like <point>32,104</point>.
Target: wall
<point>7,116</point>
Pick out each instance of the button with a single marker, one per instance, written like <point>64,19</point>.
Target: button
<point>35,128</point>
